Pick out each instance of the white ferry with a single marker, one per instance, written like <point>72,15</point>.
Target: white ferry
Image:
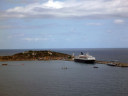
<point>85,58</point>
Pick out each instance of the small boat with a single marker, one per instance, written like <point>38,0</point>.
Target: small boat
<point>95,67</point>
<point>4,64</point>
<point>85,58</point>
<point>64,68</point>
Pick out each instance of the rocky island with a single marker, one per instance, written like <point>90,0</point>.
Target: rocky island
<point>36,55</point>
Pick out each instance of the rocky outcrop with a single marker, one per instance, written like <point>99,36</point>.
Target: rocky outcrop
<point>36,55</point>
<point>118,64</point>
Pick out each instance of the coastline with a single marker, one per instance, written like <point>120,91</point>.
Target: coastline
<point>50,55</point>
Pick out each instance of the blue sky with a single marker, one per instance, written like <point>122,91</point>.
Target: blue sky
<point>63,24</point>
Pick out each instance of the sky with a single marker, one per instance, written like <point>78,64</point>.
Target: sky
<point>31,24</point>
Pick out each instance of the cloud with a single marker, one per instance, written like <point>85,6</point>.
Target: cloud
<point>94,24</point>
<point>18,35</point>
<point>70,9</point>
<point>119,21</point>
<point>34,39</point>
<point>37,38</point>
<point>9,26</point>
<point>23,1</point>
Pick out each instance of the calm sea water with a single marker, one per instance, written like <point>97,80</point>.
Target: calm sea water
<point>50,78</point>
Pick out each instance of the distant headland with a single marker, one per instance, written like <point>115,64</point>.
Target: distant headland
<point>36,55</point>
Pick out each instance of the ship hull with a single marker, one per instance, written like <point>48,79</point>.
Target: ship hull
<point>85,61</point>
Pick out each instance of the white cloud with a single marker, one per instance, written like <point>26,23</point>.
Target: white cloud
<point>119,21</point>
<point>71,9</point>
<point>34,39</point>
<point>94,24</point>
<point>23,1</point>
<point>16,35</point>
<point>12,26</point>
<point>39,39</point>
<point>51,4</point>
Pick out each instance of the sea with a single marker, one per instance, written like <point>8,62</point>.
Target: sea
<point>65,78</point>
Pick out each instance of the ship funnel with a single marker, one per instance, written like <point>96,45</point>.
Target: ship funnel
<point>81,53</point>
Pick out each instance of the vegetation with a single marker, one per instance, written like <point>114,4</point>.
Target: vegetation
<point>36,55</point>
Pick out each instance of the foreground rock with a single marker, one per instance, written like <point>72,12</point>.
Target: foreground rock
<point>36,55</point>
